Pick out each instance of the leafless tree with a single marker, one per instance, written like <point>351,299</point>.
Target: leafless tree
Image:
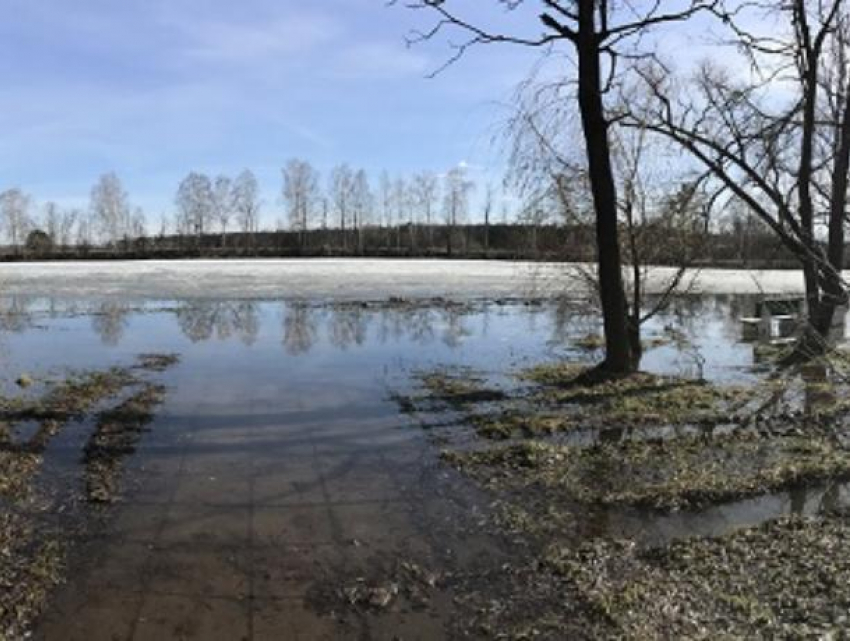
<point>223,197</point>
<point>341,188</point>
<point>195,205</point>
<point>489,196</point>
<point>246,203</point>
<point>300,192</point>
<point>425,188</point>
<point>361,205</point>
<point>660,204</point>
<point>52,216</point>
<point>68,218</point>
<point>596,32</point>
<point>110,208</point>
<point>400,204</point>
<point>778,138</point>
<point>386,199</point>
<point>15,210</point>
<point>456,191</point>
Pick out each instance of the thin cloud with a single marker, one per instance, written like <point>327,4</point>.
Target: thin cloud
<point>249,43</point>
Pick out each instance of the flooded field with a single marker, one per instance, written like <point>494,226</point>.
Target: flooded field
<point>275,481</point>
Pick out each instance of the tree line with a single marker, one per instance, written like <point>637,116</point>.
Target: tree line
<point>347,202</point>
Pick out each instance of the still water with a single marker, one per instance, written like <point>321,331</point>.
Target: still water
<point>280,466</point>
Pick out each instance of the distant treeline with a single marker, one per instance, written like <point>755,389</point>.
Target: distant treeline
<point>758,248</point>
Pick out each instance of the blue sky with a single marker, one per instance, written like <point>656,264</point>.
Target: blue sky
<point>151,89</point>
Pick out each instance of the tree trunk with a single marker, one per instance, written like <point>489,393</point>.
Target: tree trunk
<point>618,353</point>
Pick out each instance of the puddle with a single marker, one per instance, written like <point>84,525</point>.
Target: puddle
<point>279,459</point>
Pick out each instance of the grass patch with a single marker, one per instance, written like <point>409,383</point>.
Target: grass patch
<point>454,389</point>
<point>115,437</point>
<point>785,579</point>
<point>684,473</point>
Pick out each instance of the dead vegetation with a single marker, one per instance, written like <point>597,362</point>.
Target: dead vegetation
<point>684,473</point>
<point>654,445</point>
<point>32,547</point>
<point>785,579</point>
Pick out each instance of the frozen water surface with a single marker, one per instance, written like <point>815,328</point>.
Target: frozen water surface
<point>351,279</point>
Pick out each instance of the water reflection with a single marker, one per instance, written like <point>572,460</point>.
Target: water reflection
<point>110,321</point>
<point>698,336</point>
<point>205,320</point>
<point>300,329</point>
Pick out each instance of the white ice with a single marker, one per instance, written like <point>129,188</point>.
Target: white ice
<point>358,279</point>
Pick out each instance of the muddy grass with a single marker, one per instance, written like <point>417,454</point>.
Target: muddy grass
<point>116,436</point>
<point>684,473</point>
<point>33,547</point>
<point>455,389</point>
<point>783,579</point>
<point>786,579</point>
<point>31,564</point>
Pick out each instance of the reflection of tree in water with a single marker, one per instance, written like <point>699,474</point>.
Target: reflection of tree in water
<point>420,325</point>
<point>454,328</point>
<point>203,320</point>
<point>246,321</point>
<point>299,328</point>
<point>348,327</point>
<point>15,314</point>
<point>110,320</point>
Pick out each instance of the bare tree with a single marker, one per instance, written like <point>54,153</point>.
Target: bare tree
<point>110,208</point>
<point>341,188</point>
<point>195,205</point>
<point>246,203</point>
<point>596,31</point>
<point>223,197</point>
<point>52,218</point>
<point>426,188</point>
<point>15,211</point>
<point>777,140</point>
<point>300,192</point>
<point>386,198</point>
<point>361,205</point>
<point>456,191</point>
<point>400,204</point>
<point>489,197</point>
<point>68,218</point>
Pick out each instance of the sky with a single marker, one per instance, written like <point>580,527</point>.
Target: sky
<point>153,89</point>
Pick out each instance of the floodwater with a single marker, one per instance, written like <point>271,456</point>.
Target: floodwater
<point>280,472</point>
